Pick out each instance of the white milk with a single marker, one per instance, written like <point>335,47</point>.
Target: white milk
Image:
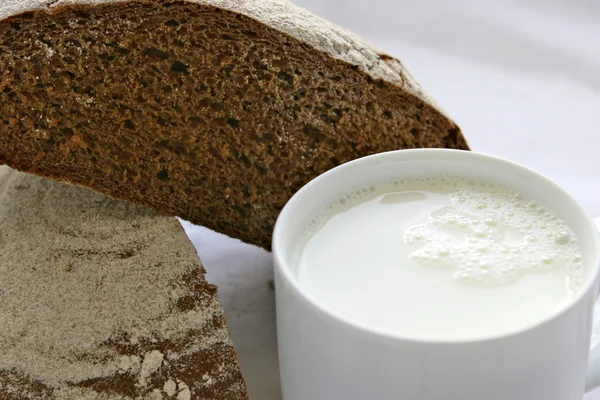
<point>440,258</point>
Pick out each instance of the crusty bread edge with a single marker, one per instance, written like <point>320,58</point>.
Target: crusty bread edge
<point>282,16</point>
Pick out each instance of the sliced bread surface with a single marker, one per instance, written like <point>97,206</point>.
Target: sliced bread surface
<point>216,111</point>
<point>101,299</point>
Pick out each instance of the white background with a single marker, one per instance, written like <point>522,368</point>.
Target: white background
<point>522,79</point>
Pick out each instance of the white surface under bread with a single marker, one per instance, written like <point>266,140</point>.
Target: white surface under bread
<point>521,78</point>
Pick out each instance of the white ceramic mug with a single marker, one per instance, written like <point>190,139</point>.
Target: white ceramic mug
<point>324,356</point>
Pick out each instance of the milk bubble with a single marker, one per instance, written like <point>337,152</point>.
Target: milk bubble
<point>547,259</point>
<point>563,237</point>
<point>443,251</point>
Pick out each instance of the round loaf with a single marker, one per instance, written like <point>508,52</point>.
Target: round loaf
<point>216,111</point>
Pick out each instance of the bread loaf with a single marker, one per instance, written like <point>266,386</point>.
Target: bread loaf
<point>213,110</point>
<point>100,299</point>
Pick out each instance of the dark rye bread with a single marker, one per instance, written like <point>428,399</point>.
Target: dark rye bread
<point>213,110</point>
<point>101,299</point>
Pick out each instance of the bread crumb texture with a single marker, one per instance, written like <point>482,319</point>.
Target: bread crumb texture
<point>215,111</point>
<point>101,299</point>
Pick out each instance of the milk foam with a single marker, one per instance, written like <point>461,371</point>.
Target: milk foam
<point>507,236</point>
<point>485,256</point>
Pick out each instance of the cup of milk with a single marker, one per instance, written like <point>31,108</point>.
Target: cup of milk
<point>434,274</point>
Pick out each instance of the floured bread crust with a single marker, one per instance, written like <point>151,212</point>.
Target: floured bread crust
<point>100,299</point>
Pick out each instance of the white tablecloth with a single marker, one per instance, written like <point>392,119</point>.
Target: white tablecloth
<point>522,79</point>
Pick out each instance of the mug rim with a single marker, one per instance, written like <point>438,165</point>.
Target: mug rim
<point>282,267</point>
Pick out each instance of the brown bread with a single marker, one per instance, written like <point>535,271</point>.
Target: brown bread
<point>213,110</point>
<point>101,299</point>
